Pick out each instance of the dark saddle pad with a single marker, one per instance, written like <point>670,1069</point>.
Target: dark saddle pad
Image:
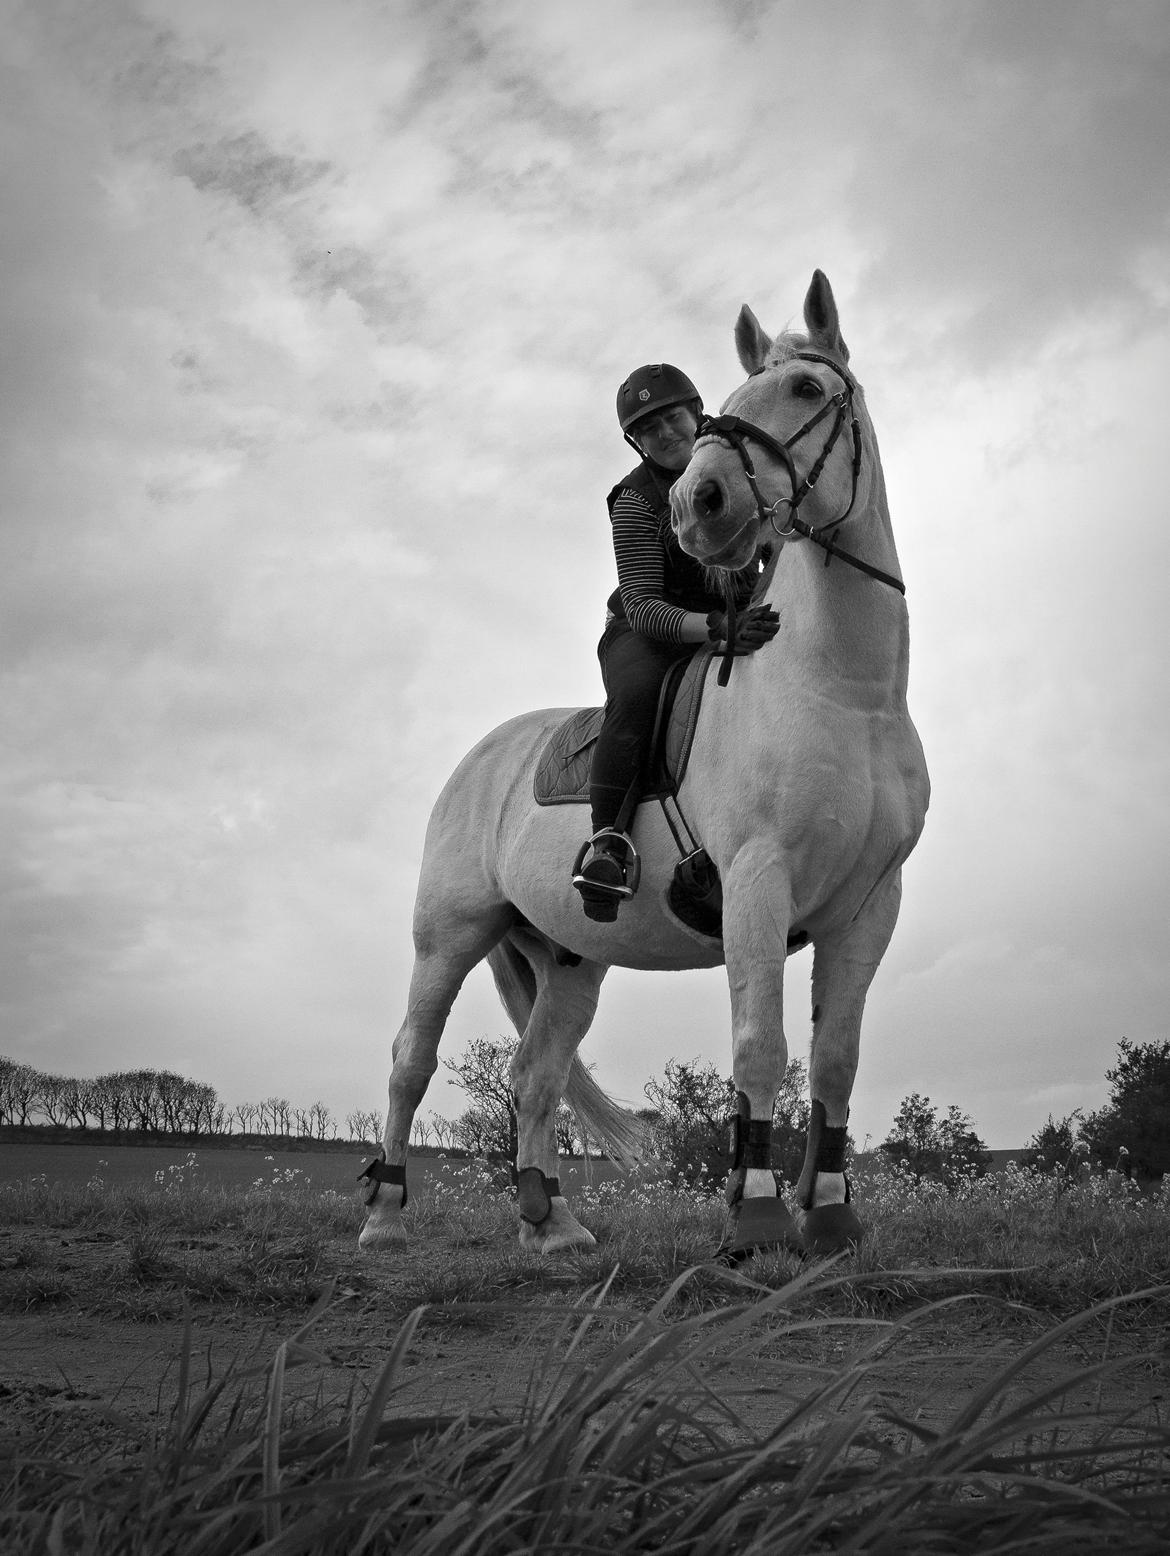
<point>562,774</point>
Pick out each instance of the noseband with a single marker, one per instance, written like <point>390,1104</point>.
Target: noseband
<point>734,431</point>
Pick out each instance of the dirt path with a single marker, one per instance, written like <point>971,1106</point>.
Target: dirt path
<point>85,1349</point>
<point>90,1341</point>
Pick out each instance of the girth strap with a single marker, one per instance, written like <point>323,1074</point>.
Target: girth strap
<point>377,1171</point>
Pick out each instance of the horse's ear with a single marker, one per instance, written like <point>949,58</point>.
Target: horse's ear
<point>752,344</point>
<point>820,317</point>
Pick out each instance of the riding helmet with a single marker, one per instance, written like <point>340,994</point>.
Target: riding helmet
<point>651,388</point>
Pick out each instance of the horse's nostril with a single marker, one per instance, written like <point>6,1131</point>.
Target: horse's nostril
<point>708,498</point>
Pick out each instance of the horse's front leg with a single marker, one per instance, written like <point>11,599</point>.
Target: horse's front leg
<point>433,985</point>
<point>565,1003</point>
<point>756,918</point>
<point>442,961</point>
<point>843,969</point>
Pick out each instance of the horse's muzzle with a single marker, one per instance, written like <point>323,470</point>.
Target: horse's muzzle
<point>711,526</point>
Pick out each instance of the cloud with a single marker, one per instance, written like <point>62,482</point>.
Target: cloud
<point>315,316</point>
<point>1008,170</point>
<point>249,171</point>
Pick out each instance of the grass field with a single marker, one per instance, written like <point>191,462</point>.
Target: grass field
<point>123,1166</point>
<point>988,1373</point>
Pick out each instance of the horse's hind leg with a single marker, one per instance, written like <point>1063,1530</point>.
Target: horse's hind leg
<point>562,1007</point>
<point>443,958</point>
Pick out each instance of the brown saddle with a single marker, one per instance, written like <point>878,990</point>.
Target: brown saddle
<point>562,774</point>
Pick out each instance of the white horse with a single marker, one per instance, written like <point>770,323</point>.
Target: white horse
<point>806,784</point>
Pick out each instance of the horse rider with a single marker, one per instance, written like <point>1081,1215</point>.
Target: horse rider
<point>664,605</point>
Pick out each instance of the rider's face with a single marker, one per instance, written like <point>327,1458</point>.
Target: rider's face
<point>667,436</point>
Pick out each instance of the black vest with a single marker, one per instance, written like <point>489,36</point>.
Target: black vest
<point>684,580</point>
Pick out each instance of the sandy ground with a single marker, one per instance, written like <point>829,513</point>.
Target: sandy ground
<point>66,1364</point>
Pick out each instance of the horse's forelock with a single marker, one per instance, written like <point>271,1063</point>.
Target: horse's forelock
<point>785,347</point>
<point>790,344</point>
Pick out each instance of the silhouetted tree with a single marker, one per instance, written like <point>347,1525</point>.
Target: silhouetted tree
<point>482,1072</point>
<point>1053,1148</point>
<point>77,1101</point>
<point>108,1102</point>
<point>443,1130</point>
<point>364,1126</point>
<point>247,1115</point>
<point>946,1150</point>
<point>320,1122</point>
<point>51,1098</point>
<point>275,1117</point>
<point>18,1091</point>
<point>489,1124</point>
<point>569,1142</point>
<point>690,1116</point>
<point>1137,1115</point>
<point>141,1096</point>
<point>690,1108</point>
<point>420,1131</point>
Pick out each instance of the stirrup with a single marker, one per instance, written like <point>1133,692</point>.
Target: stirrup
<point>630,866</point>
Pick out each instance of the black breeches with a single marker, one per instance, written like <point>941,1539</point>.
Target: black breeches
<point>633,668</point>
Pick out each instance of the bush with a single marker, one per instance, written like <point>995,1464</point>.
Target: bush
<point>692,1107</point>
<point>1136,1120</point>
<point>1056,1147</point>
<point>943,1150</point>
<point>488,1127</point>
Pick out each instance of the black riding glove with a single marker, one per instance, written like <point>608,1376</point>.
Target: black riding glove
<point>754,627</point>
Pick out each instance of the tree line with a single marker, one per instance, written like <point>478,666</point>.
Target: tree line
<point>160,1104</point>
<point>686,1120</point>
<point>690,1107</point>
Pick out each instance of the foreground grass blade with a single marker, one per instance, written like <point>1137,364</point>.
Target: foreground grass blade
<point>367,1431</point>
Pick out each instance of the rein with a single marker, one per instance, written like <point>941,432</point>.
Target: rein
<point>736,432</point>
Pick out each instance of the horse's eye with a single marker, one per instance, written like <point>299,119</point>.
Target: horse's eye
<point>807,388</point>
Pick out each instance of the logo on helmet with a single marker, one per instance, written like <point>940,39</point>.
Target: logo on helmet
<point>643,394</point>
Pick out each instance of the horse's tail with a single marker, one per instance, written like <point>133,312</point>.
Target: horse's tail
<point>601,1118</point>
<point>515,982</point>
<point>621,1132</point>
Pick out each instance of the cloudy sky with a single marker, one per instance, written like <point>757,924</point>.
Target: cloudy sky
<point>313,314</point>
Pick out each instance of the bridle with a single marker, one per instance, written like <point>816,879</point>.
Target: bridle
<point>734,431</point>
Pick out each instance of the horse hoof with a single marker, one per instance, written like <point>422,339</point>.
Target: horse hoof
<point>559,1232</point>
<point>755,1225</point>
<point>559,1242</point>
<point>831,1229</point>
<point>381,1236</point>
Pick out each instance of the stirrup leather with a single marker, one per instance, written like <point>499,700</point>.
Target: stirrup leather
<point>631,866</point>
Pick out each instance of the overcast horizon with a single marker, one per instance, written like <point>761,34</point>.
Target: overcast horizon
<point>314,316</point>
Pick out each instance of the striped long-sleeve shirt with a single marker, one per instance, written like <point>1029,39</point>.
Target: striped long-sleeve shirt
<point>657,582</point>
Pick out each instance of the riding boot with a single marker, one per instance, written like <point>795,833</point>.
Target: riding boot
<point>608,876</point>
